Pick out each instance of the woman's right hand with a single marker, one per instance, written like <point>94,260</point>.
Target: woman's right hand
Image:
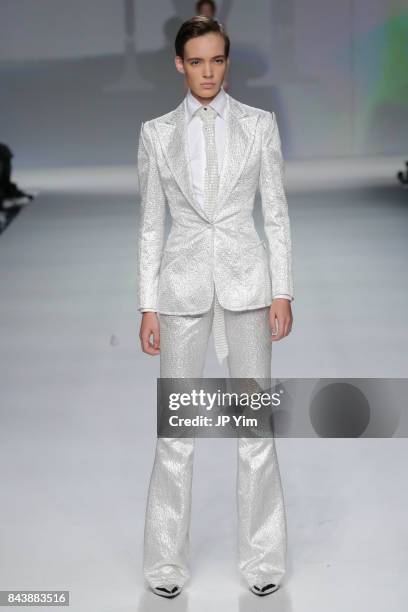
<point>150,327</point>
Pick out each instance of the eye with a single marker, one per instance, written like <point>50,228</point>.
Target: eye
<point>220,60</point>
<point>194,62</point>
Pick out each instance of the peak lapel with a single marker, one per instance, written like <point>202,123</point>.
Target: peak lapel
<point>172,134</point>
<point>240,132</point>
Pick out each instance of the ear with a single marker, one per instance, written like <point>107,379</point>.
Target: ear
<point>179,64</point>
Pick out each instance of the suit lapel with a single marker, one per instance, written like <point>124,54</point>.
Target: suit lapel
<point>172,134</point>
<point>240,131</point>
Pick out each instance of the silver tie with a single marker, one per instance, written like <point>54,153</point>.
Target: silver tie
<point>211,183</point>
<point>211,177</point>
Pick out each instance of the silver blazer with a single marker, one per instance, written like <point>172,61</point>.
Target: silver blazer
<point>224,252</point>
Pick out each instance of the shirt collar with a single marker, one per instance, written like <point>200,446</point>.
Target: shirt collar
<point>219,103</point>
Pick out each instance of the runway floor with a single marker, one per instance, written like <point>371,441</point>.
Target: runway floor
<point>78,401</point>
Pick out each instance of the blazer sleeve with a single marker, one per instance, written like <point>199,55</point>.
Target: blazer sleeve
<point>152,218</point>
<point>275,209</point>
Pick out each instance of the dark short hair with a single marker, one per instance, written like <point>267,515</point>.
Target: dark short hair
<point>198,26</point>
<point>200,3</point>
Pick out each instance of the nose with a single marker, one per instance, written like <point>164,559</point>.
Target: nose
<point>207,70</point>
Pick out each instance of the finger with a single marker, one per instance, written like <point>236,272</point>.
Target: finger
<point>273,324</point>
<point>276,330</point>
<point>156,338</point>
<point>280,326</point>
<point>287,327</point>
<point>147,347</point>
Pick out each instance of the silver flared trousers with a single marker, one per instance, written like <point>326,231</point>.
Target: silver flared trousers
<point>262,534</point>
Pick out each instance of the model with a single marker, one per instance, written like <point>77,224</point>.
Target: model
<point>205,160</point>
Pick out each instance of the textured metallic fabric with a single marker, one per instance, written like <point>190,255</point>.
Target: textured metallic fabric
<point>211,175</point>
<point>262,531</point>
<point>219,331</point>
<point>224,250</point>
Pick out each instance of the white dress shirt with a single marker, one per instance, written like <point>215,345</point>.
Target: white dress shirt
<point>196,141</point>
<point>196,145</point>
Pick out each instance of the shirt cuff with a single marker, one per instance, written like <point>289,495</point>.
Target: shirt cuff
<point>284,295</point>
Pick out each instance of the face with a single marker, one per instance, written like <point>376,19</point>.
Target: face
<point>204,65</point>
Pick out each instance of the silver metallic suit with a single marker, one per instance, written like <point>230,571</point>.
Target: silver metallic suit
<point>214,272</point>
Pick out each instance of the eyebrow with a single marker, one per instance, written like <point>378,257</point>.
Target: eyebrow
<point>198,58</point>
